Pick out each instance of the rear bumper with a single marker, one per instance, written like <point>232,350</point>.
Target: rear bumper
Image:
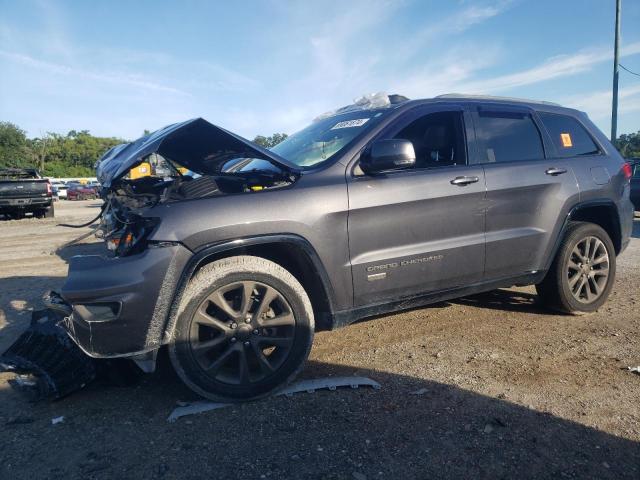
<point>24,203</point>
<point>120,305</point>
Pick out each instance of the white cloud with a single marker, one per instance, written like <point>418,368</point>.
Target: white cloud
<point>598,104</point>
<point>454,24</point>
<point>346,58</point>
<point>50,68</point>
<point>552,68</point>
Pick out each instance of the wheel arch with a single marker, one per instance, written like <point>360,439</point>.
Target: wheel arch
<point>603,213</point>
<point>292,252</point>
<point>600,212</point>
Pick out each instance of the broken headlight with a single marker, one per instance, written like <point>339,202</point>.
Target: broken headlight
<point>133,238</point>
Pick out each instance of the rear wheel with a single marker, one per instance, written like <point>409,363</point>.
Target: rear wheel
<point>582,274</point>
<point>49,212</point>
<point>244,329</point>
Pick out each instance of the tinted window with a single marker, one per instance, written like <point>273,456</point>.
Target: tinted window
<point>508,136</point>
<point>569,137</point>
<point>438,139</point>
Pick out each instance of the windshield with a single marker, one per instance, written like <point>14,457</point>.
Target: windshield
<point>324,138</point>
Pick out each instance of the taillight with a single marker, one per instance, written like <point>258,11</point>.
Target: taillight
<point>627,170</point>
<point>49,193</point>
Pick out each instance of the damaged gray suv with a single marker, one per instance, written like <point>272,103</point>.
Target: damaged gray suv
<point>232,256</point>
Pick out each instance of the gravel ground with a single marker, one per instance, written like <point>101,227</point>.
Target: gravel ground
<point>489,386</point>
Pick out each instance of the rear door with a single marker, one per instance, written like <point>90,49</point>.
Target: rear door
<point>422,229</point>
<point>528,194</point>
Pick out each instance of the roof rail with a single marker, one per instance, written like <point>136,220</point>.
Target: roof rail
<point>490,97</point>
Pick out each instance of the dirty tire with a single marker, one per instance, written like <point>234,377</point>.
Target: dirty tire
<point>219,372</point>
<point>555,290</point>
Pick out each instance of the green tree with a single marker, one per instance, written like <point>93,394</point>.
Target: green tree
<point>628,144</point>
<point>272,141</point>
<point>14,147</point>
<point>55,155</point>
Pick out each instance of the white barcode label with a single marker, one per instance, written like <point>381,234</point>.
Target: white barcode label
<point>358,122</point>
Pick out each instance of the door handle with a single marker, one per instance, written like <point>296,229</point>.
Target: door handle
<point>555,171</point>
<point>462,181</point>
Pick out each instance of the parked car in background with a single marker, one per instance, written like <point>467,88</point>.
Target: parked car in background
<point>59,189</point>
<point>635,182</point>
<point>77,191</point>
<point>95,185</point>
<point>22,191</point>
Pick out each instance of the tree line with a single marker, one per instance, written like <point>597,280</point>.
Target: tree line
<point>75,154</point>
<point>70,155</point>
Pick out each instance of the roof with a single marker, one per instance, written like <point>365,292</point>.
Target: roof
<point>490,98</point>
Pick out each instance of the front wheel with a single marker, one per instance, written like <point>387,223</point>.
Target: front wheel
<point>583,271</point>
<point>245,328</point>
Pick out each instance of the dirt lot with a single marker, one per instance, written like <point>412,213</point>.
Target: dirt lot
<point>489,386</point>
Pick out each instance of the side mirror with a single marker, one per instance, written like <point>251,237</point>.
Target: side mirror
<point>385,155</point>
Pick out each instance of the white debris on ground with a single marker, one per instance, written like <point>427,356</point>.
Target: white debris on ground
<point>309,386</point>
<point>57,420</point>
<point>420,391</point>
<point>634,369</point>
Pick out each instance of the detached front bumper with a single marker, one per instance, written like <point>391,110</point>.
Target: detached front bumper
<point>120,305</point>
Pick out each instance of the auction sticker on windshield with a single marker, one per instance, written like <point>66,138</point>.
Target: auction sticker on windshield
<point>358,122</point>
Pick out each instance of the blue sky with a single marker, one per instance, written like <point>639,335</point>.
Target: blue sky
<point>257,67</point>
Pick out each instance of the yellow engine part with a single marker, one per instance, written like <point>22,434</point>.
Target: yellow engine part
<point>142,170</point>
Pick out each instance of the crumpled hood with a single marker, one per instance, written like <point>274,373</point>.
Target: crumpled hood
<point>195,144</point>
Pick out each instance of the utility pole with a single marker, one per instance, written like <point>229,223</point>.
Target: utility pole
<point>616,51</point>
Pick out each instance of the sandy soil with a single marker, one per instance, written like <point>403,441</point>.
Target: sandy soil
<point>490,386</point>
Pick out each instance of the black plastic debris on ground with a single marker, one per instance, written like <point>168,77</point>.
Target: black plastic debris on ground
<point>49,365</point>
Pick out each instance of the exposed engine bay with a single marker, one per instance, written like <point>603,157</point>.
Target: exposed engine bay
<point>184,161</point>
<point>149,191</point>
<point>122,224</point>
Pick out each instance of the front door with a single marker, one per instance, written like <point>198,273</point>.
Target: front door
<point>418,230</point>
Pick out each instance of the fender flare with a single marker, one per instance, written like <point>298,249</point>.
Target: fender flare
<point>577,207</point>
<point>207,251</point>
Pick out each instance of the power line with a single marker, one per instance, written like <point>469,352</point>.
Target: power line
<point>625,68</point>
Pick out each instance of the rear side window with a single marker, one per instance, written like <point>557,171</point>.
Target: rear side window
<point>507,137</point>
<point>569,136</point>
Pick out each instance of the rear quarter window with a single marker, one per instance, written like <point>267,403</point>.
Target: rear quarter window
<point>569,136</point>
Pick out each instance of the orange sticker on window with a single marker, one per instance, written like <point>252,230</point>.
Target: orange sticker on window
<point>566,140</point>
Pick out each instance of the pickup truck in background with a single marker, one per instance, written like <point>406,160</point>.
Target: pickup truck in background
<point>22,191</point>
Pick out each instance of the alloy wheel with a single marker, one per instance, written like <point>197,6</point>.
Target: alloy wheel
<point>588,269</point>
<point>242,332</point>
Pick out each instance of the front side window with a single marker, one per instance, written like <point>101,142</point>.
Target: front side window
<point>568,135</point>
<point>507,137</point>
<point>438,139</point>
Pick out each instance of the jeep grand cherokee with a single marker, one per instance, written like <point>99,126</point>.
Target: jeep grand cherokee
<point>382,205</point>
